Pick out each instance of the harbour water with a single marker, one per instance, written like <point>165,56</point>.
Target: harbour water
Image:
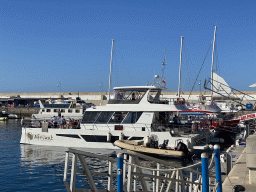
<point>29,167</point>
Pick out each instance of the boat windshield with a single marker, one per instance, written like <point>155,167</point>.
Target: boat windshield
<point>111,117</point>
<point>126,97</point>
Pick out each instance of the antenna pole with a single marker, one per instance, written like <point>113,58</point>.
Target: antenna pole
<point>110,68</point>
<point>213,50</point>
<point>180,65</point>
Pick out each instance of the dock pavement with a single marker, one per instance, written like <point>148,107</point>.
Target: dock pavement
<point>239,174</point>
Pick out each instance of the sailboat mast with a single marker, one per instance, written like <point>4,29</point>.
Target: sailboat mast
<point>213,50</point>
<point>180,65</point>
<point>109,86</point>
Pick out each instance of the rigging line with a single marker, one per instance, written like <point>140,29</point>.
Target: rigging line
<point>199,71</point>
<point>224,96</point>
<point>233,89</point>
<point>163,65</point>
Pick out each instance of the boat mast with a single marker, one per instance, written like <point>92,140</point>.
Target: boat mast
<point>109,86</point>
<point>213,50</point>
<point>180,65</point>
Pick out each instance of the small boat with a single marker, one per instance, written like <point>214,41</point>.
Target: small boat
<point>139,146</point>
<point>71,109</point>
<point>9,115</point>
<point>4,116</point>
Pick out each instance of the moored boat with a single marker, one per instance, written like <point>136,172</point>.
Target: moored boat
<point>70,109</point>
<point>140,147</point>
<point>132,113</point>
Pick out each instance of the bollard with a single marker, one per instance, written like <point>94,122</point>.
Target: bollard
<point>205,172</point>
<point>229,162</point>
<point>216,151</point>
<point>120,159</point>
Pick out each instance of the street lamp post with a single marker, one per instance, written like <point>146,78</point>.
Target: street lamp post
<point>59,85</point>
<point>101,85</point>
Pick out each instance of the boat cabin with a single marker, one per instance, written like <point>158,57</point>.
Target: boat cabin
<point>134,94</point>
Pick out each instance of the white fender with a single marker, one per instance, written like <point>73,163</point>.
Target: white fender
<point>109,137</point>
<point>121,136</point>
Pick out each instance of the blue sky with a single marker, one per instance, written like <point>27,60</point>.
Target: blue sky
<point>44,42</point>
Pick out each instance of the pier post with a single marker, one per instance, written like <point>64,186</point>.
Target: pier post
<point>120,159</point>
<point>205,172</point>
<point>216,151</point>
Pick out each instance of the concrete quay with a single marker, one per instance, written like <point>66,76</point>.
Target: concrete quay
<point>100,98</point>
<point>244,167</point>
<point>21,111</point>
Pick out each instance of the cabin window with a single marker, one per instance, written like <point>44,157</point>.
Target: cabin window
<point>104,117</point>
<point>43,110</point>
<point>132,117</point>
<point>55,110</point>
<point>90,116</point>
<point>69,110</point>
<point>63,110</point>
<point>77,110</point>
<point>48,110</point>
<point>118,117</point>
<point>126,96</point>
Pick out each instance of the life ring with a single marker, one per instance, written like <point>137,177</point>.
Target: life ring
<point>182,101</point>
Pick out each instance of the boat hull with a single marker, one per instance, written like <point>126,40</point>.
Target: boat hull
<point>89,138</point>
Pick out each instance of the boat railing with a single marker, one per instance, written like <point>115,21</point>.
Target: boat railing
<point>40,123</point>
<point>135,172</point>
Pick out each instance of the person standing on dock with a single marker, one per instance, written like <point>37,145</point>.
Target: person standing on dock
<point>22,121</point>
<point>55,121</point>
<point>59,113</point>
<point>62,122</point>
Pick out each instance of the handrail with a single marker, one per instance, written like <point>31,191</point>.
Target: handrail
<point>70,150</point>
<point>162,162</point>
<point>133,174</point>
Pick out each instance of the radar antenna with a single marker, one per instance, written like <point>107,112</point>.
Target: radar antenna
<point>158,79</point>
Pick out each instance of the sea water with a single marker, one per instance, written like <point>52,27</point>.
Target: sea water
<point>25,167</point>
<point>30,167</point>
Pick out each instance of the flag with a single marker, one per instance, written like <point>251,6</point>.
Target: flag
<point>163,81</point>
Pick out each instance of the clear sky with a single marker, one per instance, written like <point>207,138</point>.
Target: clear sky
<point>47,42</point>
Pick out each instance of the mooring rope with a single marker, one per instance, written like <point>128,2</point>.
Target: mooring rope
<point>174,169</point>
<point>213,155</point>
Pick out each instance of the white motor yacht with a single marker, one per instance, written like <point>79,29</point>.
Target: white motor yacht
<point>70,109</point>
<point>132,113</point>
